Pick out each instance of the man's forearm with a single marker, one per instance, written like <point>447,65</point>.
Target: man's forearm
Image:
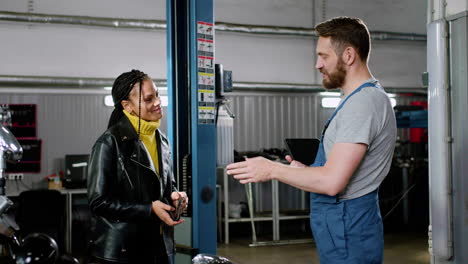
<point>310,179</point>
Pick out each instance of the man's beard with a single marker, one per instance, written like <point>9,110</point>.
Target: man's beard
<point>335,79</point>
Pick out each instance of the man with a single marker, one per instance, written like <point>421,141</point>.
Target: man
<point>354,155</point>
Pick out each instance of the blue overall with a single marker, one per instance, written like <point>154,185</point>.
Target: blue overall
<point>346,231</point>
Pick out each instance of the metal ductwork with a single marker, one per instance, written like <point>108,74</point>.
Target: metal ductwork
<point>60,82</point>
<point>308,88</point>
<point>53,82</point>
<point>309,32</point>
<point>385,35</point>
<point>161,25</point>
<point>82,20</point>
<point>20,83</point>
<point>269,30</point>
<point>275,87</point>
<point>60,85</point>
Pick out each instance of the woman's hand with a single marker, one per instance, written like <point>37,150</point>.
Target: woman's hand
<point>162,211</point>
<point>175,198</point>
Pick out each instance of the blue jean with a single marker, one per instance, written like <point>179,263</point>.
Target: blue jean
<point>348,231</point>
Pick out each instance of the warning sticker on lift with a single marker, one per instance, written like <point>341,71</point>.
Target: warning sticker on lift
<point>205,64</point>
<point>206,77</point>
<point>205,115</point>
<point>205,30</point>
<point>206,81</point>
<point>205,48</point>
<point>206,98</point>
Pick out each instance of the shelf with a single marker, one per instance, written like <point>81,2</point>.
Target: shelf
<point>275,216</point>
<point>247,219</point>
<point>293,217</point>
<point>23,120</point>
<point>266,218</point>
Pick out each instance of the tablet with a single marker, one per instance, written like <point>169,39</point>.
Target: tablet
<point>303,150</point>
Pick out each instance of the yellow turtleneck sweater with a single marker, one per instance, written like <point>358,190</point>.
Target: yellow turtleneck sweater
<point>147,135</point>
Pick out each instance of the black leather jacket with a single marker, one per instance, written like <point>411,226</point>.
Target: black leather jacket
<point>121,188</point>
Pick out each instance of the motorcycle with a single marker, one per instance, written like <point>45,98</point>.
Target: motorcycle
<point>35,248</point>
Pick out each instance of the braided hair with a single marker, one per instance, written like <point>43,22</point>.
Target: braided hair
<point>121,89</point>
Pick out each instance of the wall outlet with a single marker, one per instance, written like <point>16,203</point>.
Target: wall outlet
<point>15,176</point>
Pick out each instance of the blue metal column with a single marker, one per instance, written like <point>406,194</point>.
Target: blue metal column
<point>191,124</point>
<point>203,125</point>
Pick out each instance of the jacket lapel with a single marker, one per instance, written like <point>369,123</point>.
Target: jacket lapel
<point>140,156</point>
<point>132,147</point>
<point>160,158</point>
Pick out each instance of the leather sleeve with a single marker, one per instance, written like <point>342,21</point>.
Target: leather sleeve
<point>167,159</point>
<point>172,179</point>
<point>103,171</point>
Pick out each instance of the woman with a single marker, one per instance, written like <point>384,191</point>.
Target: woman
<point>131,188</point>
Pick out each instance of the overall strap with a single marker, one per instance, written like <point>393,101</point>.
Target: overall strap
<point>364,85</point>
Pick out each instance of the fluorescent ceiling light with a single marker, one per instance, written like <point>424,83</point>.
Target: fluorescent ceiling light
<point>160,88</point>
<point>330,102</point>
<point>393,102</point>
<point>330,94</point>
<point>164,100</point>
<point>108,101</point>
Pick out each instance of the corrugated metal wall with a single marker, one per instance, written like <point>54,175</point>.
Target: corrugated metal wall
<point>70,124</point>
<point>264,120</point>
<point>66,124</point>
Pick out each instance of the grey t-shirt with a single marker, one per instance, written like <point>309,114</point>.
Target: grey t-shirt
<point>367,117</point>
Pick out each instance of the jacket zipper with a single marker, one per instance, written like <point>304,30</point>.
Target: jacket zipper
<point>156,174</point>
<point>125,171</point>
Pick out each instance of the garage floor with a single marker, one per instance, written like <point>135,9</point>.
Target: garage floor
<point>399,248</point>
